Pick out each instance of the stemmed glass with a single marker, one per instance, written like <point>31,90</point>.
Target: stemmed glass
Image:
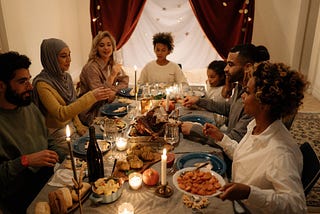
<point>171,134</point>
<point>110,135</point>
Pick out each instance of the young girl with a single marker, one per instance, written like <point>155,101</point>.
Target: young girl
<point>216,80</point>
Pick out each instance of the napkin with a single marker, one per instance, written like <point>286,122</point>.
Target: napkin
<point>62,178</point>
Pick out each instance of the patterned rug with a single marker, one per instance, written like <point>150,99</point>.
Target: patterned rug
<point>306,128</point>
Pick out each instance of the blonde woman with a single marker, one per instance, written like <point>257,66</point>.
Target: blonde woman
<point>101,71</point>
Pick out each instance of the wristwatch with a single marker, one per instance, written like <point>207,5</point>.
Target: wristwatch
<point>24,161</point>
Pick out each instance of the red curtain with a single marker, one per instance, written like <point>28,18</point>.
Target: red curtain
<point>119,17</point>
<point>225,22</point>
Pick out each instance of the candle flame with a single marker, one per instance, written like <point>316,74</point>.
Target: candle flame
<point>67,131</point>
<point>164,152</point>
<point>135,67</point>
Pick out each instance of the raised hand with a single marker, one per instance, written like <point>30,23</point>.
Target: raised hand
<point>190,100</point>
<point>43,158</point>
<point>101,93</point>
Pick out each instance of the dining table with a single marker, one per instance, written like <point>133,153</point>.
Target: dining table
<point>145,200</point>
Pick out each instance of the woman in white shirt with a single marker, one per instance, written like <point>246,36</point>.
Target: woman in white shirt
<point>267,163</point>
<point>162,70</point>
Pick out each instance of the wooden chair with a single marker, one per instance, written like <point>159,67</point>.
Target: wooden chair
<point>311,167</point>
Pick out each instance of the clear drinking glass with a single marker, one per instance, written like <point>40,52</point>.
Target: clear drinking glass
<point>171,134</point>
<point>110,134</point>
<point>117,57</point>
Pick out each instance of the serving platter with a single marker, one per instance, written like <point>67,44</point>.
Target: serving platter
<point>188,169</point>
<point>192,159</point>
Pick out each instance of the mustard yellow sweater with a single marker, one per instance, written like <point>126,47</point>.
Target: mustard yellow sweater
<point>58,113</point>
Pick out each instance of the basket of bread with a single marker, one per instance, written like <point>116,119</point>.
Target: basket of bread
<point>106,190</point>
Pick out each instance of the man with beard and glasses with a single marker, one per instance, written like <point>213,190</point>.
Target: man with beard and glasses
<point>240,60</point>
<point>27,156</point>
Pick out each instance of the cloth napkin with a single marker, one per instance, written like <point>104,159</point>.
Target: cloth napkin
<point>62,178</point>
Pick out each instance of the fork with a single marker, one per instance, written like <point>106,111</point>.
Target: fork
<point>173,169</point>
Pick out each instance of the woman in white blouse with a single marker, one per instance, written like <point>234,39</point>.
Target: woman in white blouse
<point>267,163</point>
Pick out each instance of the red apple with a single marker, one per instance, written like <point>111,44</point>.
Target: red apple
<point>150,177</point>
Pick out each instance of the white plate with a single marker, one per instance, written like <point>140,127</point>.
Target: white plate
<point>178,173</point>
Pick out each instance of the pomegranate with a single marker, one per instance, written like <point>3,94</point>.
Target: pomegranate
<point>150,177</point>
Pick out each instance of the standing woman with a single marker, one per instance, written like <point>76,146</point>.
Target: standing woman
<point>101,71</point>
<point>55,95</point>
<point>267,162</point>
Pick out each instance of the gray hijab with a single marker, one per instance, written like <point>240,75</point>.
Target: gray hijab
<point>52,74</point>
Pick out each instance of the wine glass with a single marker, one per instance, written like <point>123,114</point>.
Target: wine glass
<point>117,57</point>
<point>171,134</point>
<point>110,134</point>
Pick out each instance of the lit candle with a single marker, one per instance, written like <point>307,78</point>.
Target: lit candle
<point>164,167</point>
<point>126,208</point>
<point>68,139</point>
<point>135,180</point>
<point>121,144</point>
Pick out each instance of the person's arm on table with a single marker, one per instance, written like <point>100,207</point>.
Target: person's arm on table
<point>52,102</point>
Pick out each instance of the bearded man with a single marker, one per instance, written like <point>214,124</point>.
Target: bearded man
<point>27,156</point>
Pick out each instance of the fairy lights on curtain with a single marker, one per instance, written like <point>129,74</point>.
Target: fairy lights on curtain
<point>97,21</point>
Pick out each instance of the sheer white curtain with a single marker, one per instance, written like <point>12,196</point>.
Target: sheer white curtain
<point>192,49</point>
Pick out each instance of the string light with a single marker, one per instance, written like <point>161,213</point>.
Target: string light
<point>95,19</point>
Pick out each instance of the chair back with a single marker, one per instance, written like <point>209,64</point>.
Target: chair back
<point>311,167</point>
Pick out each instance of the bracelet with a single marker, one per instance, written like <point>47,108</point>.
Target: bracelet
<point>24,161</point>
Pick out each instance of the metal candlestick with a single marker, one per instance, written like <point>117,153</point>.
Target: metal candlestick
<point>164,191</point>
<point>77,183</point>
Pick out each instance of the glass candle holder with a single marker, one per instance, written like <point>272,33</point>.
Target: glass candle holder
<point>121,143</point>
<point>135,180</point>
<point>126,208</point>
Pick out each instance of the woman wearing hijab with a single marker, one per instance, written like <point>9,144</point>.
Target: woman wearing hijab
<point>55,94</point>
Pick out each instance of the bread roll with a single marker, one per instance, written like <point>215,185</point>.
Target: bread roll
<point>60,200</point>
<point>42,207</point>
<point>85,188</point>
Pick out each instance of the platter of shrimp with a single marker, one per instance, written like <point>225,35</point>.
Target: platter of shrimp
<point>198,182</point>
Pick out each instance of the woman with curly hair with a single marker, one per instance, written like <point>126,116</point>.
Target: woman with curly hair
<point>267,163</point>
<point>162,70</point>
<point>101,71</point>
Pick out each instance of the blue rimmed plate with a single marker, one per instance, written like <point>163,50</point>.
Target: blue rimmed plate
<point>192,159</point>
<point>197,119</point>
<point>112,109</point>
<point>126,92</point>
<point>80,145</point>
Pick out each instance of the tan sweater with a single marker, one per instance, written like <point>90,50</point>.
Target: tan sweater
<point>58,113</point>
